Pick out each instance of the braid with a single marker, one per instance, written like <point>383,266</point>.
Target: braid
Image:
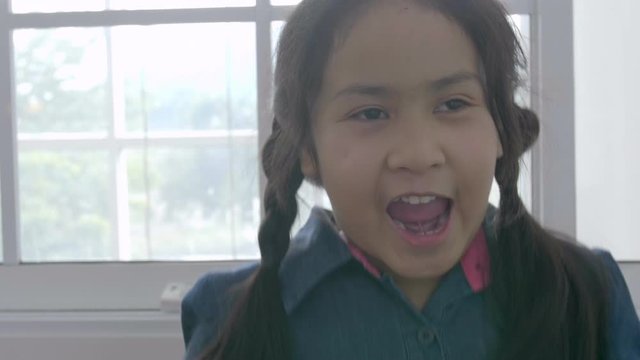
<point>542,287</point>
<point>257,327</point>
<point>284,178</point>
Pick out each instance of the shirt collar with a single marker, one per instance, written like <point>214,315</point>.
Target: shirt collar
<point>315,251</point>
<point>318,249</point>
<point>475,262</point>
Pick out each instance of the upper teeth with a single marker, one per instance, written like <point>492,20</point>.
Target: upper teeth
<point>415,200</point>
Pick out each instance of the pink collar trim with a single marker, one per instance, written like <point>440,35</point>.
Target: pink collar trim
<point>361,257</point>
<point>475,262</point>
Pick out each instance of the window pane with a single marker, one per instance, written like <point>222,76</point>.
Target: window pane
<point>64,206</point>
<point>607,125</point>
<point>182,90</point>
<point>194,203</point>
<point>196,77</point>
<point>26,6</point>
<point>61,80</point>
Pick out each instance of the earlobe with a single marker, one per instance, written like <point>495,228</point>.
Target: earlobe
<point>308,166</point>
<point>500,151</point>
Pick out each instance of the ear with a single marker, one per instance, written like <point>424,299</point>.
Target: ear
<point>500,151</point>
<point>308,166</point>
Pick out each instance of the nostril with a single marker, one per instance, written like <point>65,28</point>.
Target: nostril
<point>414,159</point>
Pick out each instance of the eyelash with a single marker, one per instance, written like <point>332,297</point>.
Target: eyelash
<point>462,104</point>
<point>357,115</point>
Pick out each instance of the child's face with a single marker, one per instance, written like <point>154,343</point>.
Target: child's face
<point>402,112</point>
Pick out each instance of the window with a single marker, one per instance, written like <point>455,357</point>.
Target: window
<point>130,158</point>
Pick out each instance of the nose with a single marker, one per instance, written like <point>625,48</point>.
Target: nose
<point>417,146</point>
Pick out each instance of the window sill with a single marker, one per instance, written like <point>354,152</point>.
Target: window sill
<point>89,324</point>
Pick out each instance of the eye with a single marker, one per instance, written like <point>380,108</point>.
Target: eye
<point>452,105</point>
<point>370,114</point>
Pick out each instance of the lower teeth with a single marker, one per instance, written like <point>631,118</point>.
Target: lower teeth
<point>419,228</point>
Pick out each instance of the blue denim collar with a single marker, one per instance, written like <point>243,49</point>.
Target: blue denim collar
<point>315,251</point>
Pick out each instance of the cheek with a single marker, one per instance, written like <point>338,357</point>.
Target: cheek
<point>473,154</point>
<point>347,158</point>
<point>350,169</point>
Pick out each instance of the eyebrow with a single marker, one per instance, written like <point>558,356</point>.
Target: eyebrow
<point>382,91</point>
<point>454,79</point>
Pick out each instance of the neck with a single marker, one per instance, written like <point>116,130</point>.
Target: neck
<point>417,291</point>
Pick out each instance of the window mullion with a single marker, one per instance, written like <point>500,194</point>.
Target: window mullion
<point>8,144</point>
<point>264,76</point>
<point>135,142</point>
<point>118,197</point>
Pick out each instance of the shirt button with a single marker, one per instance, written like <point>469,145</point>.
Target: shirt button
<point>425,336</point>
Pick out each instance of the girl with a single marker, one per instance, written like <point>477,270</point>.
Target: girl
<point>403,110</point>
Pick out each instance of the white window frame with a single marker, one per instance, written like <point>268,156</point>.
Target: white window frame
<point>137,286</point>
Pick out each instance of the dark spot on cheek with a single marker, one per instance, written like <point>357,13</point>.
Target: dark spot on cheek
<point>405,6</point>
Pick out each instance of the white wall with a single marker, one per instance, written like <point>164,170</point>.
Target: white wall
<point>91,336</point>
<point>607,72</point>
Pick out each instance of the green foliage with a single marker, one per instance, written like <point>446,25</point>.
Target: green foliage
<point>59,89</point>
<point>64,210</point>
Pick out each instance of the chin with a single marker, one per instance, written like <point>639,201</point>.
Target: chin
<point>420,271</point>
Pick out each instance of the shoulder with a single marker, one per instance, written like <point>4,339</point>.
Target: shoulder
<point>206,306</point>
<point>624,326</point>
<point>214,288</point>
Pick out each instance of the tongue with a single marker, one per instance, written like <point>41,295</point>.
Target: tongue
<point>419,213</point>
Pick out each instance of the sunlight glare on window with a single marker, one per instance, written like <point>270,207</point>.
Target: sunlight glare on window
<point>182,83</point>
<point>61,80</point>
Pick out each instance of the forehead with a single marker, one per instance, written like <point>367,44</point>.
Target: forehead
<point>401,44</point>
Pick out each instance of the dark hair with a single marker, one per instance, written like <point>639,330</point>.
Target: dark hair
<point>547,295</point>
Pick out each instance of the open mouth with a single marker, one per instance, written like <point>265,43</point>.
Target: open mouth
<point>421,216</point>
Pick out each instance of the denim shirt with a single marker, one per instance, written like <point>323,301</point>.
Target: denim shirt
<point>341,309</point>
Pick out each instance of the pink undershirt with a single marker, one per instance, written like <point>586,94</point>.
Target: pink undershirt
<point>475,261</point>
